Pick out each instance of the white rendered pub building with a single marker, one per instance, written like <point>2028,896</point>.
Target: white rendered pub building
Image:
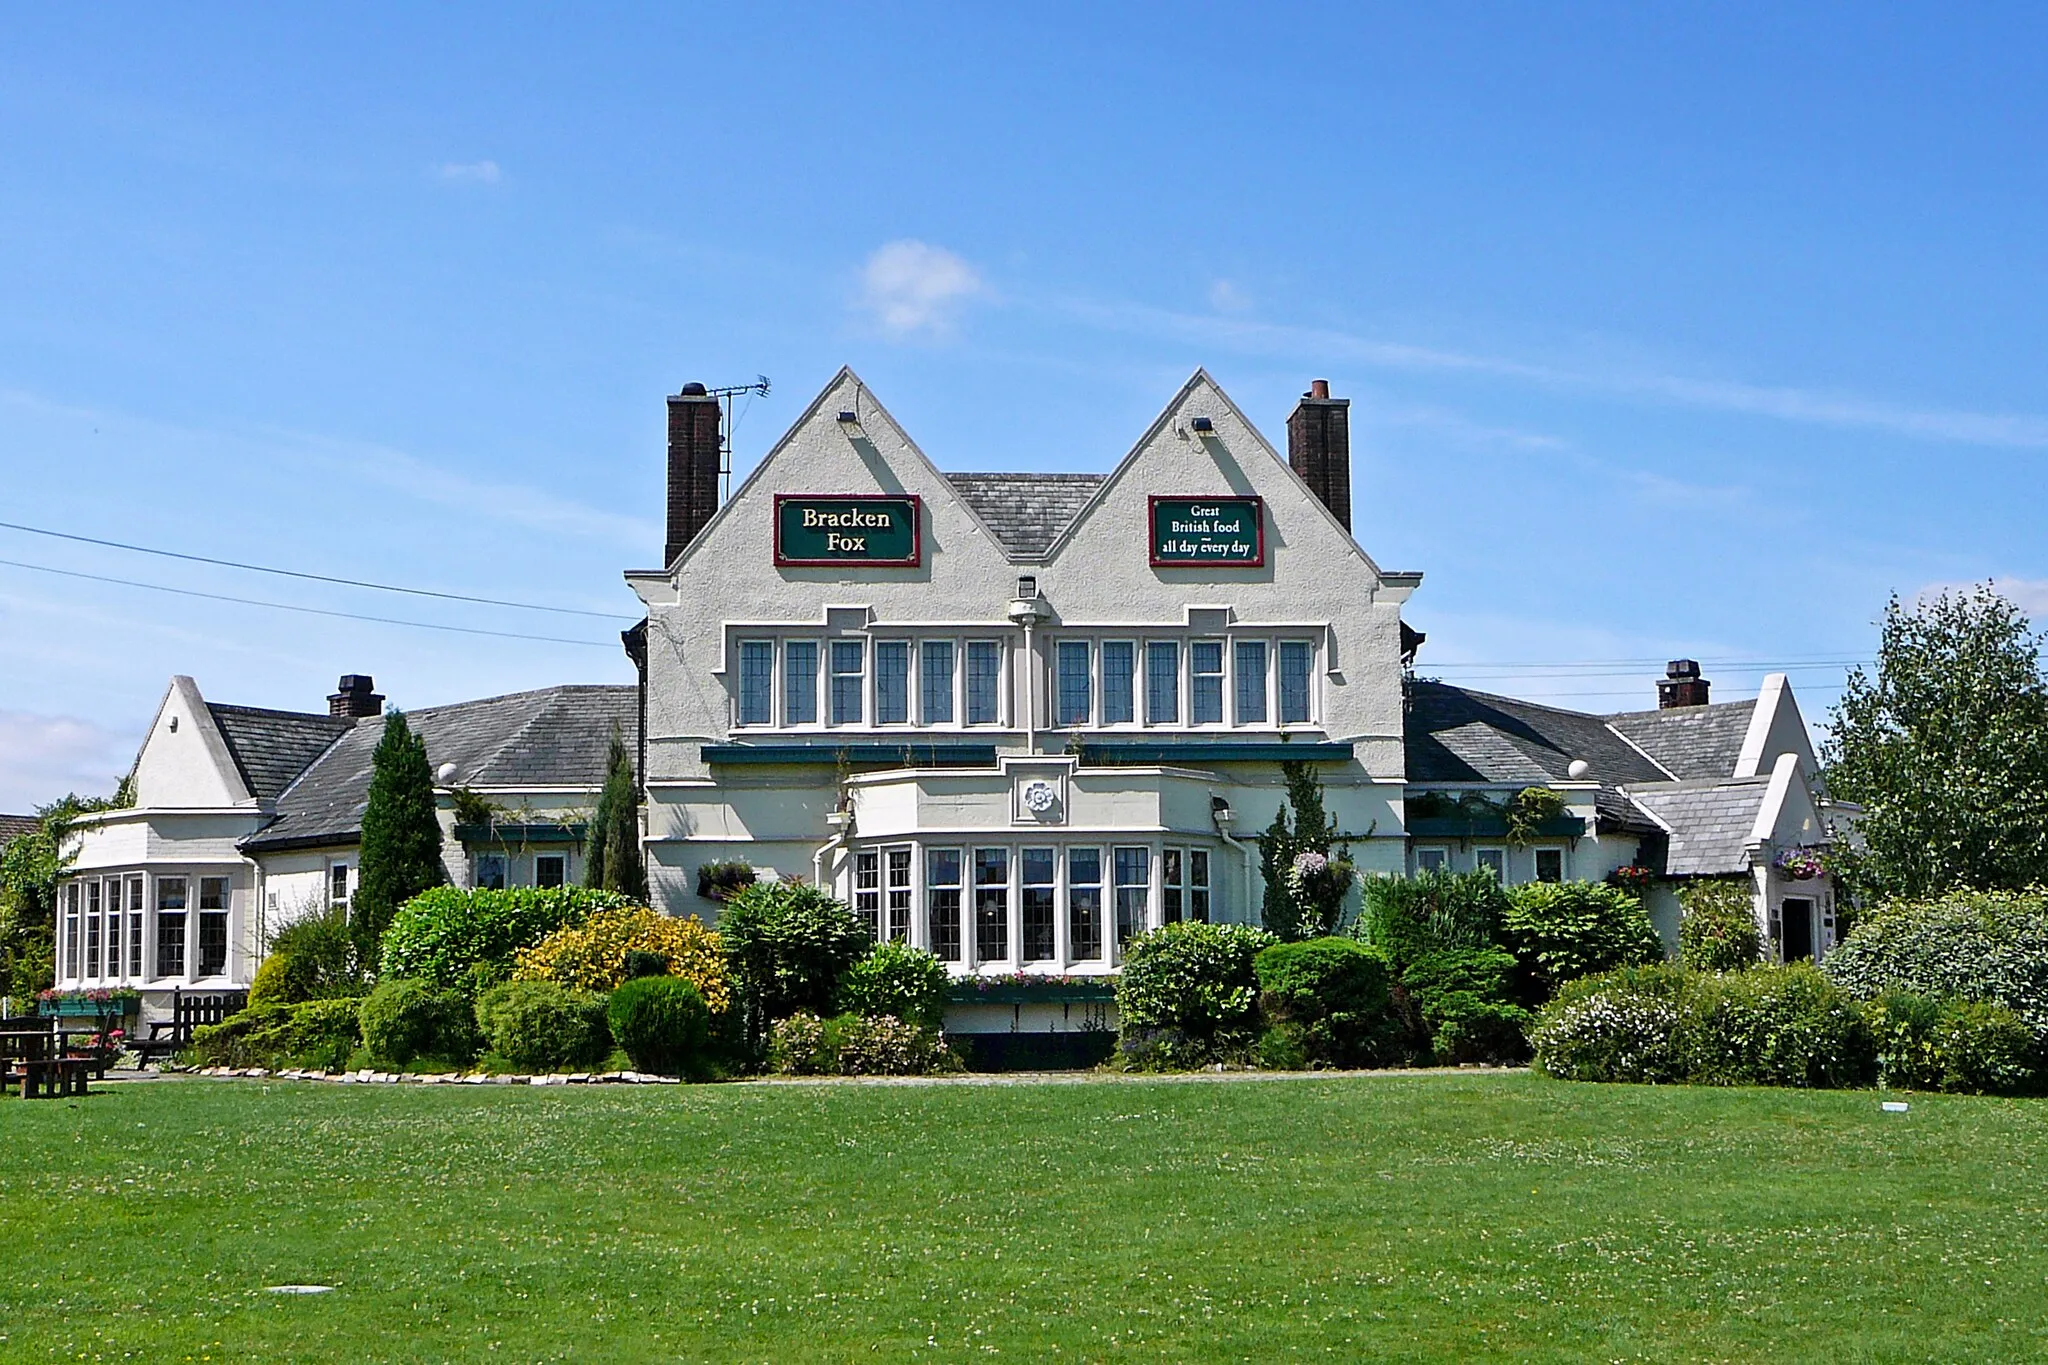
<point>1017,718</point>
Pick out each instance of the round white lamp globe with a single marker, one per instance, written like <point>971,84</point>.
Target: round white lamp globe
<point>1577,769</point>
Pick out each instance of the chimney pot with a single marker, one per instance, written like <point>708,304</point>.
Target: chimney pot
<point>1681,685</point>
<point>356,697</point>
<point>1319,447</point>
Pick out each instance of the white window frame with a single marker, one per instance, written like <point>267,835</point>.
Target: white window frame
<point>1563,866</point>
<point>1441,852</point>
<point>1479,853</point>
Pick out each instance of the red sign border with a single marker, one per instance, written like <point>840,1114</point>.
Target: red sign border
<point>1152,520</point>
<point>916,560</point>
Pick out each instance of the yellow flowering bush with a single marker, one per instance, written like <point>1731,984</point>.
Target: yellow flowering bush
<point>592,956</point>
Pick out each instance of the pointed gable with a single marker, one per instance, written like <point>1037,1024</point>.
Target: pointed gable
<point>185,760</point>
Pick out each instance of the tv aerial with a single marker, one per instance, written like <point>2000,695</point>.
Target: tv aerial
<point>725,394</point>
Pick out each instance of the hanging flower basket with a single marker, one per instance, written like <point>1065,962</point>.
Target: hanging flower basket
<point>1633,879</point>
<point>1800,864</point>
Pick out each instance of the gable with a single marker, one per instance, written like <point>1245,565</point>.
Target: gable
<point>1775,728</point>
<point>185,761</point>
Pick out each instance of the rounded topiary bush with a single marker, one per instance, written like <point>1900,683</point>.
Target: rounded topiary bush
<point>1785,1025</point>
<point>1330,999</point>
<point>406,1021</point>
<point>898,981</point>
<point>1463,999</point>
<point>1188,994</point>
<point>1717,929</point>
<point>662,1023</point>
<point>543,1026</point>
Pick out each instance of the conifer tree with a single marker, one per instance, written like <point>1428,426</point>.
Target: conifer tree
<point>1311,831</point>
<point>613,862</point>
<point>401,848</point>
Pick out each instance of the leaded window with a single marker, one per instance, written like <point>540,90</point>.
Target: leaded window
<point>992,904</point>
<point>170,926</point>
<point>935,683</point>
<point>213,926</point>
<point>1119,667</point>
<point>867,890</point>
<point>1198,885</point>
<point>1205,682</point>
<point>757,682</point>
<point>1162,682</point>
<point>1073,702</point>
<point>1251,682</point>
<point>1084,902</point>
<point>892,682</point>
<point>847,681</point>
<point>942,902</point>
<point>1297,668</point>
<point>984,682</point>
<point>1035,873</point>
<point>1133,892</point>
<point>800,682</point>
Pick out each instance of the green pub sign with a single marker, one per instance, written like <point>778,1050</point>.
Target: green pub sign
<point>1208,533</point>
<point>862,530</point>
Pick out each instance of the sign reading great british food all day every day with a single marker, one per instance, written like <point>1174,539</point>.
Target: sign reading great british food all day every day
<point>864,530</point>
<point>1208,533</point>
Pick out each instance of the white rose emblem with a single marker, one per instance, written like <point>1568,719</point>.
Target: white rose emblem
<point>1040,797</point>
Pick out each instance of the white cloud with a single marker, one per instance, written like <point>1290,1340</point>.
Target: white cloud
<point>43,757</point>
<point>472,172</point>
<point>1321,346</point>
<point>1226,297</point>
<point>913,287</point>
<point>2030,595</point>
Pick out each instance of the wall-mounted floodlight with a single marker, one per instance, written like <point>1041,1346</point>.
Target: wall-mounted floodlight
<point>848,417</point>
<point>1203,425</point>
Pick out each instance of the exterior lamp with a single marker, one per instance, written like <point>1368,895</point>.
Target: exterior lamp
<point>1577,769</point>
<point>1202,425</point>
<point>848,417</point>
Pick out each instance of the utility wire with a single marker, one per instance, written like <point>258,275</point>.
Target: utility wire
<point>310,577</point>
<point>313,611</point>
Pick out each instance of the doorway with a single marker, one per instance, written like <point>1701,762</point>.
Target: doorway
<point>1796,935</point>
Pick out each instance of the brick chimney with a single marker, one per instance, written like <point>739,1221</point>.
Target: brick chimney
<point>692,466</point>
<point>358,697</point>
<point>1319,447</point>
<point>1681,685</point>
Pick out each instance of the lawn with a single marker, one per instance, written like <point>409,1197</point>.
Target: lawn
<point>1406,1217</point>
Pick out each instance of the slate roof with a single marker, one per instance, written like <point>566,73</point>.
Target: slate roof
<point>271,748</point>
<point>1710,823</point>
<point>1027,512</point>
<point>554,737</point>
<point>12,827</point>
<point>1691,741</point>
<point>1455,735</point>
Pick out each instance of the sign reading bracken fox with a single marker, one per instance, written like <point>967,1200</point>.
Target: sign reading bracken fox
<point>866,530</point>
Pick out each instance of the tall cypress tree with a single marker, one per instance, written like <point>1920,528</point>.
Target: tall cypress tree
<point>401,849</point>
<point>613,862</point>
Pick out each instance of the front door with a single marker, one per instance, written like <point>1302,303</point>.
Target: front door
<point>1797,917</point>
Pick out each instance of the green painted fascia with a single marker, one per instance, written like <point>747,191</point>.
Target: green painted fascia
<point>855,755</point>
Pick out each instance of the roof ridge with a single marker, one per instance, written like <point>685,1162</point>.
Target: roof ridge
<point>278,711</point>
<point>1518,701</point>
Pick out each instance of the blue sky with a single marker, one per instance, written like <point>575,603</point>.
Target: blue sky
<point>1668,331</point>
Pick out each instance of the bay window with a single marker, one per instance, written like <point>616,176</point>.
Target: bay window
<point>170,926</point>
<point>213,926</point>
<point>1084,903</point>
<point>92,928</point>
<point>136,911</point>
<point>942,902</point>
<point>1035,867</point>
<point>991,904</point>
<point>1133,868</point>
<point>73,893</point>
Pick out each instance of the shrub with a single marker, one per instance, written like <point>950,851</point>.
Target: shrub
<point>315,1034</point>
<point>897,980</point>
<point>407,1020</point>
<point>1188,994</point>
<point>543,1026</point>
<point>1926,1042</point>
<point>1978,945</point>
<point>1717,926</point>
<point>787,944</point>
<point>1771,1026</point>
<point>1409,917</point>
<point>1328,998</point>
<point>1559,931</point>
<point>721,881</point>
<point>1622,1025</point>
<point>592,956</point>
<point>663,1024</point>
<point>284,979</point>
<point>1465,1005</point>
<point>856,1045</point>
<point>1785,1025</point>
<point>323,953</point>
<point>453,938</point>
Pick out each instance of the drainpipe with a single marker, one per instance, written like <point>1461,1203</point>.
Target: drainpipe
<point>842,823</point>
<point>1027,609</point>
<point>1223,815</point>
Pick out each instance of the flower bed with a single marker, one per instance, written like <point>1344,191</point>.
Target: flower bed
<point>1030,988</point>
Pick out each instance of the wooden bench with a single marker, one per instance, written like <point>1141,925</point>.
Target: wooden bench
<point>33,1056</point>
<point>168,1037</point>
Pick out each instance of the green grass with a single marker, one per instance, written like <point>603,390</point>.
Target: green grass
<point>1422,1217</point>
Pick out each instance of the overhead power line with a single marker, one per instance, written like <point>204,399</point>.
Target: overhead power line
<point>309,577</point>
<point>311,611</point>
